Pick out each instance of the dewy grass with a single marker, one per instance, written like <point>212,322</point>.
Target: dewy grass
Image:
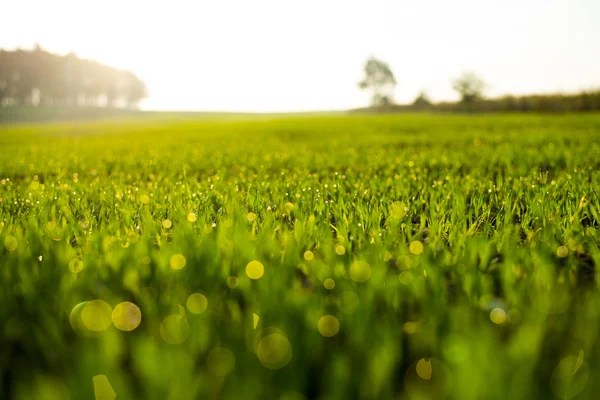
<point>330,257</point>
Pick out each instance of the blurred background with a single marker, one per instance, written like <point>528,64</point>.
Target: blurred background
<point>273,56</point>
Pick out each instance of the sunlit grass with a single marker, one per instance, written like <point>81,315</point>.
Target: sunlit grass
<point>326,257</point>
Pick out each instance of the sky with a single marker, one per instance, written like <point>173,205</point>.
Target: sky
<point>308,55</point>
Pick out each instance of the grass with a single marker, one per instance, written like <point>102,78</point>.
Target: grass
<point>15,115</point>
<point>372,257</point>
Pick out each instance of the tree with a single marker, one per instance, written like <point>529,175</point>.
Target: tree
<point>4,77</point>
<point>379,78</point>
<point>469,86</point>
<point>37,77</point>
<point>134,89</point>
<point>422,100</point>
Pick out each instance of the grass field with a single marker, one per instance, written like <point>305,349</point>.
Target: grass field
<point>329,257</point>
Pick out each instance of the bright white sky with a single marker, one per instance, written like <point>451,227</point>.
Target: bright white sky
<point>284,55</point>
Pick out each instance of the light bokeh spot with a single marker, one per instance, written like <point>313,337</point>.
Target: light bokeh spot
<point>498,316</point>
<point>423,368</point>
<point>308,255</point>
<point>289,207</point>
<point>329,284</point>
<point>547,292</point>
<point>43,386</point>
<point>360,271</point>
<point>340,250</point>
<point>562,251</point>
<point>570,376</point>
<point>398,210</point>
<point>11,243</point>
<point>232,282</point>
<point>167,223</point>
<point>428,378</point>
<point>76,265</point>
<point>328,325</point>
<point>197,303</point>
<point>274,351</point>
<point>103,389</point>
<point>410,327</point>
<point>416,247</point>
<point>406,277</point>
<point>77,323</point>
<point>192,217</point>
<point>292,396</point>
<point>174,329</point>
<point>255,269</point>
<point>97,315</point>
<point>255,319</point>
<point>177,261</point>
<point>220,361</point>
<point>348,302</point>
<point>126,316</point>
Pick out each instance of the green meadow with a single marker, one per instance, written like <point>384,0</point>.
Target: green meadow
<point>301,257</point>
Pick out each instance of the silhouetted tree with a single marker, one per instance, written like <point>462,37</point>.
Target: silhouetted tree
<point>380,79</point>
<point>469,86</point>
<point>422,100</point>
<point>133,89</point>
<point>4,77</point>
<point>38,77</point>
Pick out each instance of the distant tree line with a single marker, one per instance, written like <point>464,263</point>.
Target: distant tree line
<point>546,103</point>
<point>380,80</point>
<point>39,78</point>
